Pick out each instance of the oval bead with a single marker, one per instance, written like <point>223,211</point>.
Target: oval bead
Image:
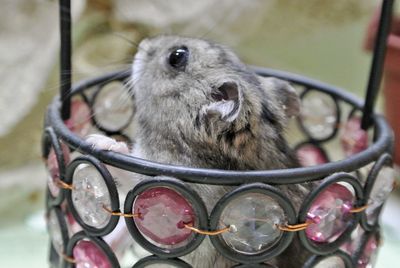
<point>113,107</point>
<point>322,124</point>
<point>329,213</point>
<point>54,169</point>
<point>163,213</point>
<point>90,196</point>
<point>88,254</point>
<point>253,219</point>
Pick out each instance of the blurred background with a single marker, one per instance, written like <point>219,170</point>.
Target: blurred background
<point>320,39</point>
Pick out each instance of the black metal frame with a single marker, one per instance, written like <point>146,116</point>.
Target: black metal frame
<point>112,191</point>
<point>315,259</point>
<point>326,248</point>
<point>108,132</point>
<point>277,248</point>
<point>336,127</point>
<point>178,177</point>
<point>184,190</point>
<point>97,241</point>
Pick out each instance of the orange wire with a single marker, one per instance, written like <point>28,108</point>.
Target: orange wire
<point>293,228</point>
<point>115,213</point>
<point>64,185</point>
<point>395,185</point>
<point>359,209</point>
<point>217,232</point>
<point>68,258</point>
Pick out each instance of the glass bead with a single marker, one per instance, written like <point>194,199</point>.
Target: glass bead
<point>163,215</point>
<point>381,190</point>
<point>253,219</point>
<point>90,196</point>
<point>113,106</point>
<point>54,228</point>
<point>310,155</point>
<point>352,137</point>
<point>329,213</point>
<point>88,255</point>
<point>80,120</point>
<point>368,258</point>
<point>54,170</point>
<point>318,114</point>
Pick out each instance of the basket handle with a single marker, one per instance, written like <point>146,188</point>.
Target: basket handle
<point>65,58</point>
<point>375,74</point>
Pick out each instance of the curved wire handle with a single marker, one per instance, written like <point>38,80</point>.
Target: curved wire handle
<point>375,75</point>
<point>65,58</point>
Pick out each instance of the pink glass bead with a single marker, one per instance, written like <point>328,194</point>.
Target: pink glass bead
<point>353,138</point>
<point>53,169</point>
<point>253,219</point>
<point>330,213</point>
<point>352,245</point>
<point>72,224</point>
<point>79,122</point>
<point>310,155</point>
<point>88,255</point>
<point>369,255</point>
<point>163,213</point>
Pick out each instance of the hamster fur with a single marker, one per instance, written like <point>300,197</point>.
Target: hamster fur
<point>198,105</point>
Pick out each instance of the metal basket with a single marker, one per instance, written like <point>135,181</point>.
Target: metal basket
<point>362,175</point>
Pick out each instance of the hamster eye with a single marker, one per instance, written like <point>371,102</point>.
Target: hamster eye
<point>178,58</point>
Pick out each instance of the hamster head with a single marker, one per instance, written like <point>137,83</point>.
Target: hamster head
<point>198,104</point>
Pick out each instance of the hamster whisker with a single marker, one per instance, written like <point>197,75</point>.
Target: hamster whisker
<point>133,43</point>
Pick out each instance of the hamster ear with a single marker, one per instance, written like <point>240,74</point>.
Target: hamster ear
<point>226,102</point>
<point>285,93</point>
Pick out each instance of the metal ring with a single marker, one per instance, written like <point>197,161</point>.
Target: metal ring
<point>97,241</point>
<point>228,177</point>
<point>329,247</point>
<point>190,195</point>
<point>384,160</point>
<point>50,140</point>
<point>152,260</point>
<point>316,259</point>
<point>306,130</point>
<point>62,227</point>
<point>112,190</point>
<point>275,249</point>
<point>96,122</point>
<point>364,242</point>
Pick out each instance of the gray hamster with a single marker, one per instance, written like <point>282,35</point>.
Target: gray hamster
<point>198,105</point>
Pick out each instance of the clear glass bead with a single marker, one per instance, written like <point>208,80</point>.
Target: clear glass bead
<point>318,114</point>
<point>253,219</point>
<point>55,232</point>
<point>380,192</point>
<point>90,196</point>
<point>113,106</point>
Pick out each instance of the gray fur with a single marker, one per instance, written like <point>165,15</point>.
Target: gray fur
<point>179,121</point>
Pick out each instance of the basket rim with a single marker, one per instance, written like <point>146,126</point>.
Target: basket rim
<point>383,143</point>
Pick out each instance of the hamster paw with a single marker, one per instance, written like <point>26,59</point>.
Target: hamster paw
<point>102,142</point>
